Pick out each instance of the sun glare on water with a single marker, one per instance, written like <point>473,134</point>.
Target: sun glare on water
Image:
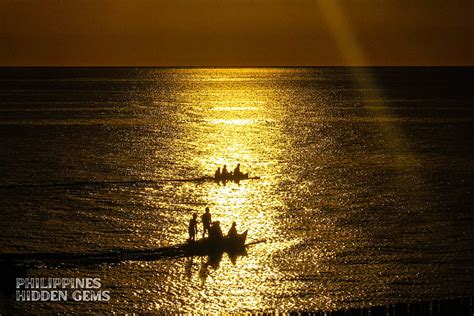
<point>233,122</point>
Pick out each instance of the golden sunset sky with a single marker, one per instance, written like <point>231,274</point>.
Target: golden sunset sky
<point>236,32</point>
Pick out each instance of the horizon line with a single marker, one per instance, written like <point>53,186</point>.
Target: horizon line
<point>233,66</point>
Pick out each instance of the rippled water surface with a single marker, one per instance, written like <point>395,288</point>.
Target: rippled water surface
<point>365,194</point>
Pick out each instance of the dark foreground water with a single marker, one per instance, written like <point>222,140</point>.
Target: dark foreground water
<point>366,195</point>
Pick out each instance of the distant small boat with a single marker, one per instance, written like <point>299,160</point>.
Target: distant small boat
<point>206,246</point>
<point>214,179</point>
<point>232,177</point>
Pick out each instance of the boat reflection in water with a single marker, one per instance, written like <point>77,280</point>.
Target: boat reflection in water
<point>212,261</point>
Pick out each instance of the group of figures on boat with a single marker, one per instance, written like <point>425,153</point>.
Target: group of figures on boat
<point>216,241</point>
<point>215,238</point>
<point>225,175</point>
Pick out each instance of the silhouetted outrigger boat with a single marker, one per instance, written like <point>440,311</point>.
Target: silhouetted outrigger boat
<point>234,177</point>
<point>201,247</point>
<point>214,179</point>
<point>206,246</point>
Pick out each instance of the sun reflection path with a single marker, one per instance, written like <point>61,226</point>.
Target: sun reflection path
<point>234,125</point>
<point>231,118</point>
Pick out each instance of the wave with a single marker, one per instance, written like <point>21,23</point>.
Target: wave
<point>111,256</point>
<point>75,184</point>
<point>65,258</point>
<point>107,183</point>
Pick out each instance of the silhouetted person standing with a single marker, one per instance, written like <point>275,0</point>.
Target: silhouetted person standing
<point>217,174</point>
<point>206,222</point>
<point>192,228</point>
<point>232,233</point>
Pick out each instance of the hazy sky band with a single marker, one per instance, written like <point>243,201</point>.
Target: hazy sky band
<point>236,32</point>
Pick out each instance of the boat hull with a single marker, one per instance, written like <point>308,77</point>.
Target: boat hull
<point>208,246</point>
<point>235,178</point>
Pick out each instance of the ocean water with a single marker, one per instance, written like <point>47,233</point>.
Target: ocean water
<point>365,196</point>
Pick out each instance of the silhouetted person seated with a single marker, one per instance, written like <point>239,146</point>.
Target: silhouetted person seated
<point>224,173</point>
<point>192,227</point>
<point>217,174</point>
<point>232,233</point>
<point>215,232</point>
<point>237,172</point>
<point>206,222</point>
